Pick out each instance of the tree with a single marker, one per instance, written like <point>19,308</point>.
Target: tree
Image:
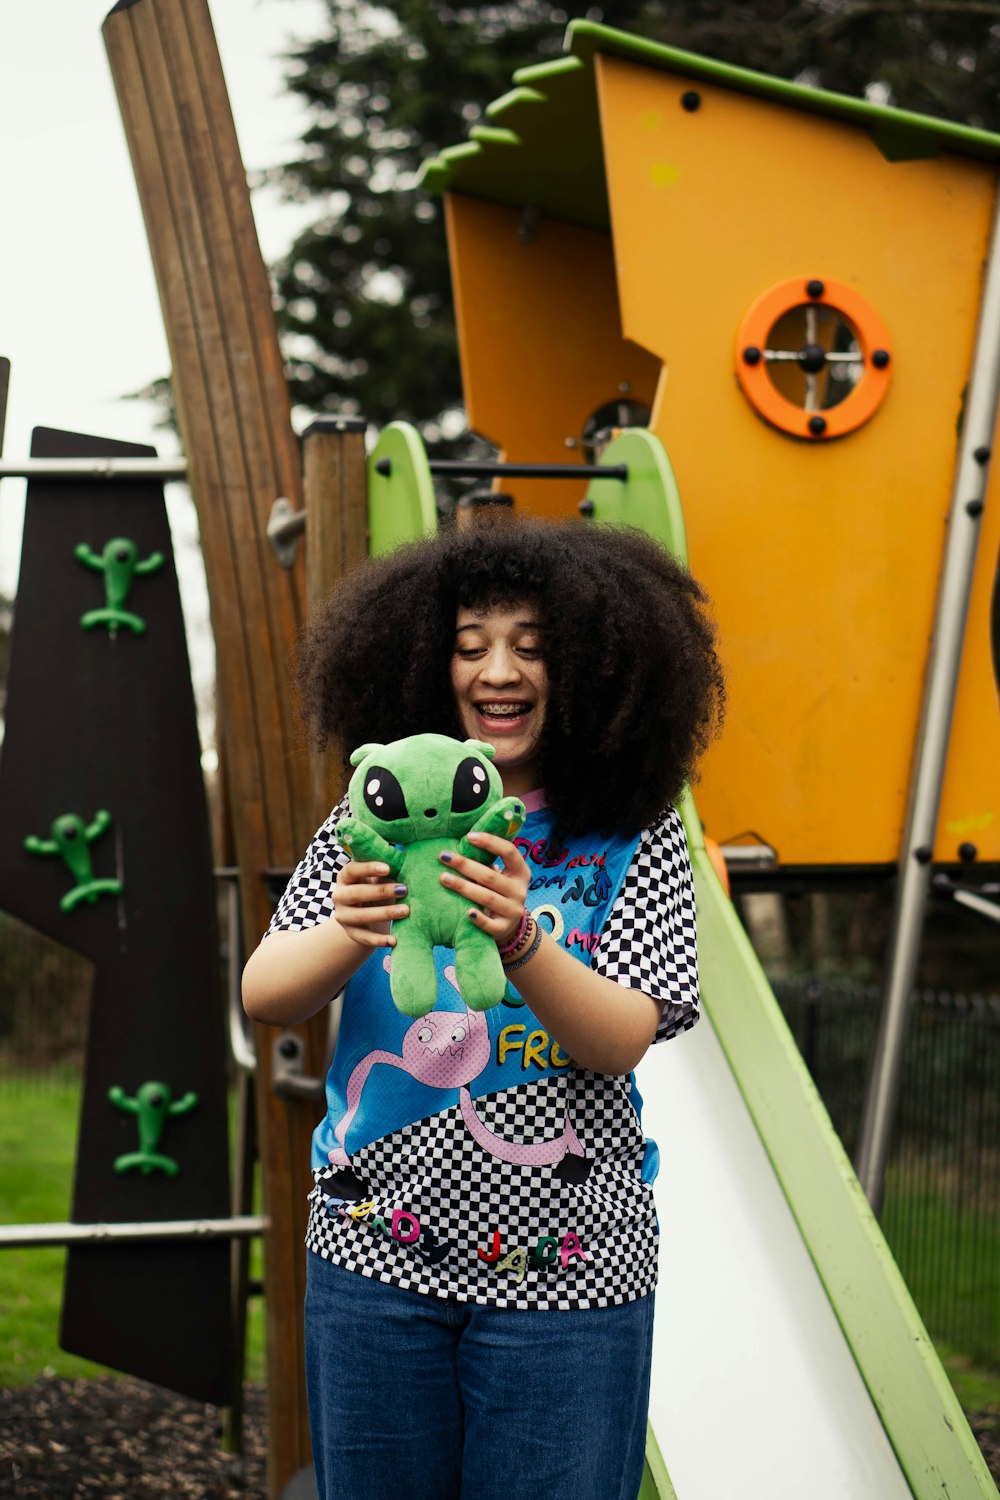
<point>363,296</point>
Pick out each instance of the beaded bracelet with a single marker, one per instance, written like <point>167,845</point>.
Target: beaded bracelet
<point>518,962</point>
<point>518,937</point>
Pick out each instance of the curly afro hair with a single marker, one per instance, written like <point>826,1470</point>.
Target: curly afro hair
<point>636,689</point>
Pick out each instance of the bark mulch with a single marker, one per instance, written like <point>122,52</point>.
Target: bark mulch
<point>121,1439</point>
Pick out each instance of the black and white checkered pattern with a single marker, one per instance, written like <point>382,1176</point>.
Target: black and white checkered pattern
<point>308,896</point>
<point>436,1172</point>
<point>461,1194</point>
<point>650,940</point>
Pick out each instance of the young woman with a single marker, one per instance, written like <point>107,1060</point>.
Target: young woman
<point>482,1236</point>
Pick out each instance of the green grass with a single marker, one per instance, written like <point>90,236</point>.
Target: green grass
<point>977,1390</point>
<point>925,1224</point>
<point>37,1136</point>
<point>38,1127</point>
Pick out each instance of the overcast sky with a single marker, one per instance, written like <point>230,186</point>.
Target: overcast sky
<point>79,314</point>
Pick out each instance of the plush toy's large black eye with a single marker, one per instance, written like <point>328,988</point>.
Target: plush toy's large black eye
<point>471,786</point>
<point>384,795</point>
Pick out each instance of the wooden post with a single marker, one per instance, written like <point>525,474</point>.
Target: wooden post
<point>336,540</point>
<point>482,507</point>
<point>4,388</point>
<point>233,407</point>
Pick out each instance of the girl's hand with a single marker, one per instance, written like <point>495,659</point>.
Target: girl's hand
<point>365,902</point>
<point>499,895</point>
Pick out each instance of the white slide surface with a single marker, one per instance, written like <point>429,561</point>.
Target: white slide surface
<point>755,1393</point>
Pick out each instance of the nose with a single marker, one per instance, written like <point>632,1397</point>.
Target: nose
<point>500,665</point>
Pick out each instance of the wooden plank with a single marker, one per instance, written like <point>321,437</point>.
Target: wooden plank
<point>212,348</point>
<point>4,388</point>
<point>234,416</point>
<point>336,540</point>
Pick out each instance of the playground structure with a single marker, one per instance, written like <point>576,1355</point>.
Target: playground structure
<point>809,400</point>
<point>591,278</point>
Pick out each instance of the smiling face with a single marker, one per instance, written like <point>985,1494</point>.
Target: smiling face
<point>501,687</point>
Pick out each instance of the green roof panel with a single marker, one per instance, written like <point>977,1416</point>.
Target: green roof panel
<point>551,154</point>
<point>543,145</point>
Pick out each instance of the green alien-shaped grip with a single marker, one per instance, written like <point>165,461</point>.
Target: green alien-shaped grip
<point>120,563</point>
<point>71,838</point>
<point>152,1105</point>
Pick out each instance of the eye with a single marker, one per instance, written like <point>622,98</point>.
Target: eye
<point>458,1035</point>
<point>471,786</point>
<point>424,1034</point>
<point>384,795</point>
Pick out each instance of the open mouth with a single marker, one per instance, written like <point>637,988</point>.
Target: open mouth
<point>503,714</point>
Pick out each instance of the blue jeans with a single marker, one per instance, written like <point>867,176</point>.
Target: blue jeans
<point>444,1400</point>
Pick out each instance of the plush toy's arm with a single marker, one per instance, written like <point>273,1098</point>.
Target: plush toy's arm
<point>364,843</point>
<point>504,818</point>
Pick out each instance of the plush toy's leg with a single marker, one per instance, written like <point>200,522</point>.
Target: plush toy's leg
<point>478,968</point>
<point>412,975</point>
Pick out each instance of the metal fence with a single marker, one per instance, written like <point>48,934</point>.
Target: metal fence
<point>941,1214</point>
<point>44,1006</point>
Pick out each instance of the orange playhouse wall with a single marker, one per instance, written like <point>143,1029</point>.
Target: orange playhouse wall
<point>822,558</point>
<point>540,339</point>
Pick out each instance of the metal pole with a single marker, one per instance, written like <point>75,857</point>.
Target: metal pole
<point>935,728</point>
<point>243,1053</point>
<point>459,468</point>
<point>22,1236</point>
<point>164,469</point>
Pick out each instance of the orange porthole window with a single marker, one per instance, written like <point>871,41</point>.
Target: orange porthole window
<point>813,358</point>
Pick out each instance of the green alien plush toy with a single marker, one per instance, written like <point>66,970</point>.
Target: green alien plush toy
<point>409,801</point>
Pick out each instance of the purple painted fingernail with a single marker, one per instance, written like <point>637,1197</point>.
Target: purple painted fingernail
<point>399,890</point>
<point>446,857</point>
<point>473,916</point>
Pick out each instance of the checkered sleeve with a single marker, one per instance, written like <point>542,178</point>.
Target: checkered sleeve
<point>308,896</point>
<point>649,941</point>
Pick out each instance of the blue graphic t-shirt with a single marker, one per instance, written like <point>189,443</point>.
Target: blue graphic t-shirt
<point>464,1154</point>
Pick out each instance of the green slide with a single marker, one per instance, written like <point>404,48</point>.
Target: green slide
<point>789,1360</point>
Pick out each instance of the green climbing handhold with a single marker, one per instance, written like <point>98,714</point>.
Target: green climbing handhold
<point>120,564</point>
<point>70,838</point>
<point>153,1104</point>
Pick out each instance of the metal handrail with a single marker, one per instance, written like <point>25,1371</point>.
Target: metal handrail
<point>238,1227</point>
<point>164,469</point>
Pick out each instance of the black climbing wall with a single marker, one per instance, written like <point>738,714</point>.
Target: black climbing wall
<point>103,721</point>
